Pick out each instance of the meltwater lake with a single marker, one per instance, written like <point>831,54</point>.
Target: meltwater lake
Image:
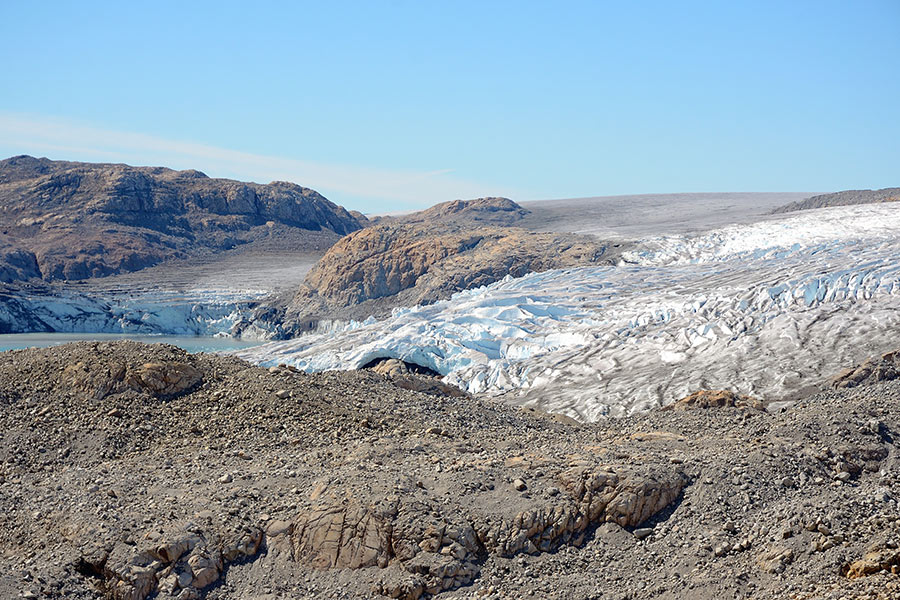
<point>15,341</point>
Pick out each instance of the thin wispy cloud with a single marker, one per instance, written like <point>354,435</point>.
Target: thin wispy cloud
<point>376,188</point>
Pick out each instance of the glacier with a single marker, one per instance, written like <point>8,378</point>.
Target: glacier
<point>764,309</point>
<point>211,296</point>
<point>198,312</point>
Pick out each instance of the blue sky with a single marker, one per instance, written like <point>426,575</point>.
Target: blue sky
<point>393,105</point>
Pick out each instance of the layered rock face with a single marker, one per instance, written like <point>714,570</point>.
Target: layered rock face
<point>68,220</point>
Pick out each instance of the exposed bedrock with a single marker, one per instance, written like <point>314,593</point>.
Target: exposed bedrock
<point>714,399</point>
<point>385,260</point>
<point>70,221</point>
<point>874,370</point>
<point>480,212</point>
<point>422,553</point>
<point>181,566</point>
<point>432,553</point>
<point>400,263</point>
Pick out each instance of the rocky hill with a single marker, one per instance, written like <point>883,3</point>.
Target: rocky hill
<point>845,198</point>
<point>477,212</point>
<point>68,221</point>
<point>480,211</point>
<point>403,264</point>
<point>135,471</point>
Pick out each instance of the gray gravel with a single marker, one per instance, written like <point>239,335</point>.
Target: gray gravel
<point>775,505</point>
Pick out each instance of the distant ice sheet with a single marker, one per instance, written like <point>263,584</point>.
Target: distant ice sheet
<point>762,309</point>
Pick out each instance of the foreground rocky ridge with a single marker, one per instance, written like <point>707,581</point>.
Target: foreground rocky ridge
<point>71,221</point>
<point>130,470</point>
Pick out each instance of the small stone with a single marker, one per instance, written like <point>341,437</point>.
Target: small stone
<point>823,529</point>
<point>787,482</point>
<point>276,528</point>
<point>643,532</point>
<point>115,413</point>
<point>226,478</point>
<point>519,485</point>
<point>283,394</point>
<point>185,578</point>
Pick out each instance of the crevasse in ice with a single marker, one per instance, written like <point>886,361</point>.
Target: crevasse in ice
<point>762,309</point>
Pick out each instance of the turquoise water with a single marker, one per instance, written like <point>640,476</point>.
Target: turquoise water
<point>14,341</point>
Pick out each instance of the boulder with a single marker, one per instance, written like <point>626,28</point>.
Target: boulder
<point>98,375</point>
<point>702,399</point>
<point>873,370</point>
<point>876,560</point>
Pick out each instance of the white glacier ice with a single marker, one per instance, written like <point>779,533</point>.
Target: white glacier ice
<point>195,312</point>
<point>764,309</point>
<point>204,296</point>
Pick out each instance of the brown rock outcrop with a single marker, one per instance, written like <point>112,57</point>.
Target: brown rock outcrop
<point>353,536</point>
<point>385,260</point>
<point>714,399</point>
<point>383,266</point>
<point>163,379</point>
<point>440,552</point>
<point>413,377</point>
<point>874,370</point>
<point>97,377</point>
<point>181,566</point>
<point>876,560</point>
